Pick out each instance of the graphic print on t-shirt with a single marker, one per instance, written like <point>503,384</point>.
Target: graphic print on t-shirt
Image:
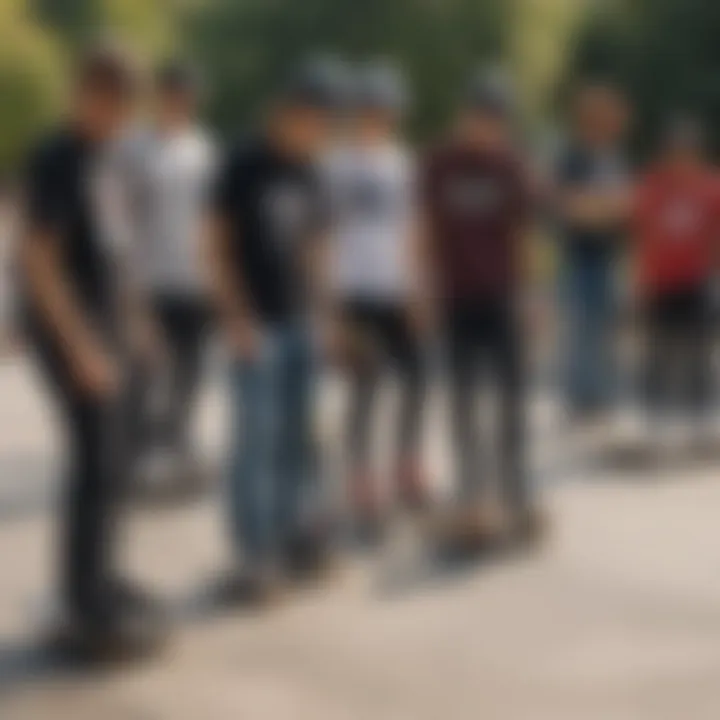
<point>371,193</point>
<point>287,211</point>
<point>371,197</point>
<point>272,206</point>
<point>675,221</point>
<point>473,195</point>
<point>680,218</point>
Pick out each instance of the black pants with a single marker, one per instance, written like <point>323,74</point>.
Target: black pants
<point>678,351</point>
<point>184,323</point>
<point>483,340</point>
<point>385,328</point>
<point>97,448</point>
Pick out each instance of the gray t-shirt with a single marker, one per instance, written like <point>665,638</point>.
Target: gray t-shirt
<point>166,182</point>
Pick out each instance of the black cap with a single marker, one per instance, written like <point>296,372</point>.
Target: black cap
<point>491,91</point>
<point>178,76</point>
<point>380,86</point>
<point>317,83</point>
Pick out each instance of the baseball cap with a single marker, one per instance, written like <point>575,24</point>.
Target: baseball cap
<point>491,91</point>
<point>320,83</point>
<point>380,86</point>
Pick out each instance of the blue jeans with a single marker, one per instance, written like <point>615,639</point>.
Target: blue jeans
<point>272,462</point>
<point>588,300</point>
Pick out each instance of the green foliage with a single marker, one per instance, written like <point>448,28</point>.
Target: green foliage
<point>30,82</point>
<point>247,47</point>
<point>665,53</point>
<point>149,25</point>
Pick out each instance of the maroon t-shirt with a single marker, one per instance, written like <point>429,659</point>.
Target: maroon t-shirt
<point>475,203</point>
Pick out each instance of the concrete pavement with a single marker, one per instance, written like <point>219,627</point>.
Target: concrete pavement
<point>617,618</point>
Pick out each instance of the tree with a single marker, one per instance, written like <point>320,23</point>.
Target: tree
<point>30,82</point>
<point>247,47</point>
<point>149,26</point>
<point>665,53</point>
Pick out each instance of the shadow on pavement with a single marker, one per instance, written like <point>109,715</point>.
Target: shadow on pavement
<point>34,664</point>
<point>27,482</point>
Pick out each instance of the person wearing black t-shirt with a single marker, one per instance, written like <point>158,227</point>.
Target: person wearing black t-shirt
<point>592,198</point>
<point>74,320</point>
<point>268,222</point>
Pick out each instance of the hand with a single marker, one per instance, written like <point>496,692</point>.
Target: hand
<point>147,341</point>
<point>95,372</point>
<point>333,340</point>
<point>347,347</point>
<point>422,319</point>
<point>244,339</point>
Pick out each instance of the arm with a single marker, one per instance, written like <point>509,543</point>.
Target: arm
<point>60,312</point>
<point>423,297</point>
<point>228,293</point>
<point>594,208</point>
<point>51,293</point>
<point>584,206</point>
<point>424,314</point>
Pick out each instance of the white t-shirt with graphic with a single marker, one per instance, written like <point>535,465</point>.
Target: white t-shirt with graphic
<point>371,194</point>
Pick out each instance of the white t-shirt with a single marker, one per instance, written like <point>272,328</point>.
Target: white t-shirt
<point>371,194</point>
<point>166,182</point>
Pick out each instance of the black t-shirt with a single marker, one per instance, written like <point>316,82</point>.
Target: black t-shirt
<point>273,207</point>
<point>580,168</point>
<point>58,205</point>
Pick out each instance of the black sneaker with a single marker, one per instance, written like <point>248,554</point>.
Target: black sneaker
<point>470,530</point>
<point>256,587</point>
<point>123,626</point>
<point>309,555</point>
<point>529,527</point>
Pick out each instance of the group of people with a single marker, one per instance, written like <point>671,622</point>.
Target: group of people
<point>321,239</point>
<point>662,226</point>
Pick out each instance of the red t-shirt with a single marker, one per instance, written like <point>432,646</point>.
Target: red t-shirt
<point>676,223</point>
<point>475,203</point>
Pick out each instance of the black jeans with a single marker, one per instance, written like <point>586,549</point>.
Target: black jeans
<point>385,327</point>
<point>184,322</point>
<point>483,338</point>
<point>98,456</point>
<point>678,351</point>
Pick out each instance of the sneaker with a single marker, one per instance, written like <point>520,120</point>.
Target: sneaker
<point>252,586</point>
<point>309,556</point>
<point>529,527</point>
<point>124,626</point>
<point>472,529</point>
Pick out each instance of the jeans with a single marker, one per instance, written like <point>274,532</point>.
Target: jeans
<point>272,462</point>
<point>588,308</point>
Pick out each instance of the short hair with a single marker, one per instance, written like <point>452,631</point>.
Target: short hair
<point>491,91</point>
<point>319,83</point>
<point>177,76</point>
<point>107,68</point>
<point>683,131</point>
